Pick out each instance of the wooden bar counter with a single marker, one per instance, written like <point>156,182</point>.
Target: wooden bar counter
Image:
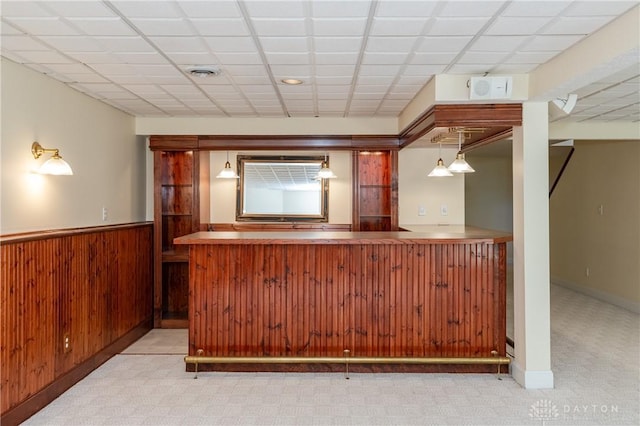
<point>429,292</point>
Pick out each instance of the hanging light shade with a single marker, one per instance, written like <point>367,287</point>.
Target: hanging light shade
<point>440,170</point>
<point>227,172</point>
<point>460,165</point>
<point>325,172</point>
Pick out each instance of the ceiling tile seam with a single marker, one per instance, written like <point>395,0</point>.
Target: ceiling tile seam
<point>126,20</point>
<point>312,48</point>
<point>263,56</point>
<point>611,87</point>
<point>604,114</point>
<point>75,61</point>
<point>429,23</point>
<point>479,33</point>
<point>373,7</point>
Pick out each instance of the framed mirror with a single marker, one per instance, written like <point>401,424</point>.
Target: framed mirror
<point>281,189</point>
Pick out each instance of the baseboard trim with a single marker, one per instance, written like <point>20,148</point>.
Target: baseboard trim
<point>529,379</point>
<point>597,294</point>
<point>35,403</point>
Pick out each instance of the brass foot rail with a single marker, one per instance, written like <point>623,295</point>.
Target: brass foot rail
<point>198,359</point>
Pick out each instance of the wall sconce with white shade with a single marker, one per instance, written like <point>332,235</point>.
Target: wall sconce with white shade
<point>460,165</point>
<point>440,170</point>
<point>325,172</point>
<point>227,172</point>
<point>54,165</point>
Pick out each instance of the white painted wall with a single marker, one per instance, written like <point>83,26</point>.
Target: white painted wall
<point>416,189</point>
<point>98,141</point>
<point>600,173</point>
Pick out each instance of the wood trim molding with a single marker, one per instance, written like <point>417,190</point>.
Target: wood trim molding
<point>258,227</point>
<point>42,235</point>
<point>296,143</point>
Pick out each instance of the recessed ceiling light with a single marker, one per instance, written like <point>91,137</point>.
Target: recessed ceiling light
<point>291,81</point>
<point>203,72</point>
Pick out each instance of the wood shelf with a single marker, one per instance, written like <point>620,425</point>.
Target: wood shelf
<point>375,191</point>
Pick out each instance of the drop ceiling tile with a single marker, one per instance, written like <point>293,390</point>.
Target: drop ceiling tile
<point>371,88</point>
<point>482,57</point>
<point>164,26</point>
<point>71,44</point>
<point>181,89</point>
<point>456,26</point>
<point>514,68</point>
<point>230,44</point>
<point>288,58</point>
<point>414,79</point>
<point>582,26</point>
<point>275,9</point>
<point>399,8</point>
<point>292,70</point>
<point>391,44</point>
<point>44,26</point>
<point>180,44</point>
<point>159,70</point>
<point>85,78</point>
<point>44,57</point>
<point>337,44</point>
<point>385,58</point>
<point>251,79</point>
<point>321,80</point>
<point>334,70</point>
<point>217,90</point>
<point>286,89</point>
<point>340,8</point>
<point>221,27</point>
<point>412,70</point>
<point>23,8</point>
<point>599,8</point>
<point>7,29</point>
<point>406,88</point>
<point>550,43</point>
<point>210,9</point>
<point>432,58</point>
<point>397,26</point>
<point>376,79</point>
<point>536,8</point>
<point>142,58</point>
<point>83,9</point>
<point>334,105</point>
<point>71,68</point>
<point>21,43</point>
<point>113,26</point>
<point>94,57</point>
<point>145,89</point>
<point>114,69</point>
<point>296,96</point>
<point>467,69</point>
<point>350,58</point>
<point>146,9</point>
<point>335,95</point>
<point>359,96</point>
<point>402,96</point>
<point>285,44</point>
<point>130,79</point>
<point>516,25</point>
<point>280,27</point>
<point>452,44</point>
<point>498,43</point>
<point>192,58</point>
<point>338,27</point>
<point>530,57</point>
<point>249,70</point>
<point>471,8</point>
<point>257,88</point>
<point>125,44</point>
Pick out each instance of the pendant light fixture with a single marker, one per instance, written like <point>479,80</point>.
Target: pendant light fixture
<point>325,172</point>
<point>440,170</point>
<point>460,165</point>
<point>227,172</point>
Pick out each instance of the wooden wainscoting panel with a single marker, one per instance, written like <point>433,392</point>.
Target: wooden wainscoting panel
<point>92,286</point>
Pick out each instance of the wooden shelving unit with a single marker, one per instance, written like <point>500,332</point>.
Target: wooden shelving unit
<point>375,191</point>
<point>181,200</point>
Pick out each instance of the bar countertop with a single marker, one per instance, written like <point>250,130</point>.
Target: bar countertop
<point>411,234</point>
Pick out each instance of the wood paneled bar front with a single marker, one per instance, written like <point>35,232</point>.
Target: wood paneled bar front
<point>282,301</point>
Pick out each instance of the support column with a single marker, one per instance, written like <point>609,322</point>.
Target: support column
<point>531,277</point>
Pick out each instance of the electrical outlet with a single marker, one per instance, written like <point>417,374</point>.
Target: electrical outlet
<point>66,343</point>
<point>422,210</point>
<point>105,214</point>
<point>444,210</point>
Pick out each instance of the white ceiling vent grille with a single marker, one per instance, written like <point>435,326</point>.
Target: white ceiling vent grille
<point>490,87</point>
